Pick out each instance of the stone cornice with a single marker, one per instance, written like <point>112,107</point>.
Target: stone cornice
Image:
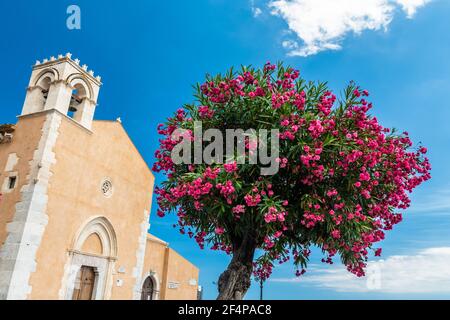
<point>74,63</point>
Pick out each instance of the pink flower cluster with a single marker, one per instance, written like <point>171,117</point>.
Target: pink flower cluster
<point>227,190</point>
<point>205,112</point>
<point>238,211</point>
<point>252,200</point>
<point>230,167</point>
<point>274,215</point>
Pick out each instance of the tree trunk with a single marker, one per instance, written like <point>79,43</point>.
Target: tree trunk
<point>235,281</point>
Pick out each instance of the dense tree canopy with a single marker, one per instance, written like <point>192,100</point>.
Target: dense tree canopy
<point>343,178</point>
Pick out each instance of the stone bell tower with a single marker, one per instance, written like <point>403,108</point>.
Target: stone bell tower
<point>59,88</point>
<point>62,84</point>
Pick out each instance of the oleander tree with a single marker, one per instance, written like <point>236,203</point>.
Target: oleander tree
<point>343,178</point>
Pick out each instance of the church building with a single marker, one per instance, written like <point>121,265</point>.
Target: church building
<point>75,201</point>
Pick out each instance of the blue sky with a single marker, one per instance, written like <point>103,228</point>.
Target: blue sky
<point>150,53</point>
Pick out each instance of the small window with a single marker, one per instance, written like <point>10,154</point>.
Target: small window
<point>12,182</point>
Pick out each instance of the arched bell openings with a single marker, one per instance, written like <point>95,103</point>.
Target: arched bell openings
<point>79,93</point>
<point>64,85</point>
<point>44,86</point>
<point>81,107</point>
<point>38,92</point>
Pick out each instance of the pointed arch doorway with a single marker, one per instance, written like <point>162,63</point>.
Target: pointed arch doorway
<point>89,269</point>
<point>150,286</point>
<point>148,289</point>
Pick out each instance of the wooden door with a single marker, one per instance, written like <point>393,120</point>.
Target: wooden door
<point>147,289</point>
<point>84,284</point>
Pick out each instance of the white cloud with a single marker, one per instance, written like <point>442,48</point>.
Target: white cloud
<point>426,272</point>
<point>255,10</point>
<point>433,202</point>
<point>411,6</point>
<point>323,24</point>
<point>290,44</point>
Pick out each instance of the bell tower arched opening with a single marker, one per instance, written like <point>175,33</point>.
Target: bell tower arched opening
<point>44,86</point>
<point>75,106</point>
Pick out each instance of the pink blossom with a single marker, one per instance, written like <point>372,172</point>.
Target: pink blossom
<point>299,273</point>
<point>252,201</point>
<point>378,252</point>
<point>332,192</point>
<point>285,122</point>
<point>336,234</point>
<point>230,167</point>
<point>239,209</point>
<point>205,112</point>
<point>277,234</point>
